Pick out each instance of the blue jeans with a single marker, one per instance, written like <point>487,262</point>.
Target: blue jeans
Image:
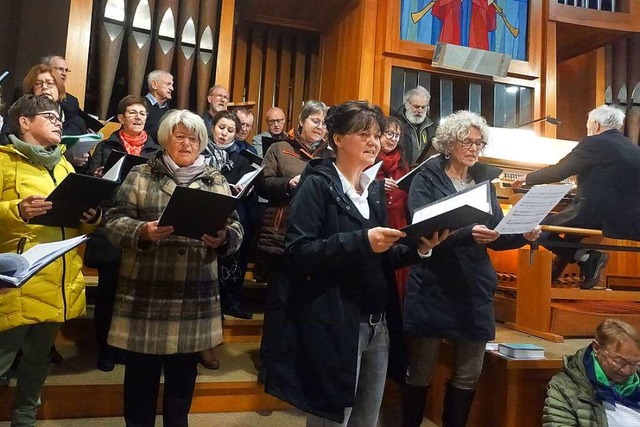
<point>373,357</point>
<point>35,341</point>
<point>423,358</point>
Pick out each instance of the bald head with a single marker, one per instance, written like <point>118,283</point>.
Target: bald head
<point>275,120</point>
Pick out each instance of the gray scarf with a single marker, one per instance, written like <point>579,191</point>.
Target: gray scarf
<point>48,157</point>
<point>186,174</point>
<point>218,155</point>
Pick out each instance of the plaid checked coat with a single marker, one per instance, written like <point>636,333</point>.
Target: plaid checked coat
<point>167,298</point>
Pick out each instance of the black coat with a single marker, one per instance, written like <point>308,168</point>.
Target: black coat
<point>608,195</point>
<point>103,150</point>
<point>415,138</point>
<point>451,294</point>
<point>327,252</point>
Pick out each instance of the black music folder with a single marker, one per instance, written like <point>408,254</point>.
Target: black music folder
<point>469,206</point>
<point>404,182</point>
<point>119,164</point>
<point>194,212</point>
<point>73,196</point>
<point>268,141</point>
<point>251,156</point>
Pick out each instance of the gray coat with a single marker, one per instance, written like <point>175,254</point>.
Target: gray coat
<point>167,298</point>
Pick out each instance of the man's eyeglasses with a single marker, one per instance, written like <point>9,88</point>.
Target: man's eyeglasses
<point>220,95</point>
<point>466,144</point>
<point>318,122</point>
<point>48,83</point>
<point>392,135</point>
<point>62,69</point>
<point>275,122</point>
<point>54,119</point>
<point>619,362</point>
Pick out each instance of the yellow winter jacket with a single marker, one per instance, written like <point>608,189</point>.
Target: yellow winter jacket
<point>56,293</point>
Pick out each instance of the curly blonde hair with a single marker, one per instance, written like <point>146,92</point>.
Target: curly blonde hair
<point>456,127</point>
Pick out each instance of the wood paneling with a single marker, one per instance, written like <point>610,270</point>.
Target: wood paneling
<point>225,43</point>
<point>77,52</point>
<point>281,70</point>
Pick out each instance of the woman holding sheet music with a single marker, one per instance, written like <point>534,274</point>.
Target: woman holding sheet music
<point>331,359</point>
<point>167,306</point>
<point>393,167</point>
<point>130,139</point>
<point>31,166</point>
<point>451,295</point>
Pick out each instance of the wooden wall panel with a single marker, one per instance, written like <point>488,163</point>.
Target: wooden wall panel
<point>77,52</point>
<point>240,64</point>
<point>281,70</point>
<point>225,43</point>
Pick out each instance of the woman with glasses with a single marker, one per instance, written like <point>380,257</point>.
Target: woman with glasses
<point>451,295</point>
<point>43,80</point>
<point>130,139</point>
<point>393,167</point>
<point>31,166</point>
<point>167,308</point>
<point>283,164</point>
<point>600,385</point>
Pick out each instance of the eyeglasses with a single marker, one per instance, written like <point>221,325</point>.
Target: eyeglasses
<point>466,144</point>
<point>180,138</point>
<point>54,119</point>
<point>275,121</point>
<point>48,83</point>
<point>392,135</point>
<point>246,125</point>
<point>619,362</point>
<point>318,122</point>
<point>133,113</point>
<point>62,69</point>
<point>220,95</point>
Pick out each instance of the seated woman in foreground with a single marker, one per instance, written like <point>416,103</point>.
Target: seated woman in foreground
<point>600,386</point>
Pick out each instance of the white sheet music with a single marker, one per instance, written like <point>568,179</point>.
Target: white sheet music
<point>532,208</point>
<point>476,198</point>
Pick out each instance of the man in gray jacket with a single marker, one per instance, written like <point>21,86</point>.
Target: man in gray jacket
<point>417,126</point>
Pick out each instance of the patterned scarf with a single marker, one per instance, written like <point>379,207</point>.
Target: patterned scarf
<point>218,155</point>
<point>628,393</point>
<point>48,157</point>
<point>133,144</point>
<point>186,174</point>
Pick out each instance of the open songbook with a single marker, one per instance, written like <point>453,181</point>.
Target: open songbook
<point>469,206</point>
<point>404,182</point>
<point>247,180</point>
<point>73,196</point>
<point>16,269</point>
<point>119,164</point>
<point>78,145</point>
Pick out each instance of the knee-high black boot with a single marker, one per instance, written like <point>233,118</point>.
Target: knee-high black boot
<point>457,405</point>
<point>414,399</point>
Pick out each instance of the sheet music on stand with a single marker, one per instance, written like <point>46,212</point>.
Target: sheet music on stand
<point>534,206</point>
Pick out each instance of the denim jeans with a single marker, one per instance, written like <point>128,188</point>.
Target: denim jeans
<point>35,341</point>
<point>373,356</point>
<point>423,358</point>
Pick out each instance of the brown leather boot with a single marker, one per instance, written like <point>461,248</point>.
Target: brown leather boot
<point>208,359</point>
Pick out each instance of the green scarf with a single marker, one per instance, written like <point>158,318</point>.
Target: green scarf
<point>48,157</point>
<point>630,385</point>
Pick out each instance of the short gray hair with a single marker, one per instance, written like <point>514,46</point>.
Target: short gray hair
<point>608,117</point>
<point>47,59</point>
<point>155,76</point>
<point>456,127</point>
<point>416,91</point>
<point>311,107</point>
<point>189,120</point>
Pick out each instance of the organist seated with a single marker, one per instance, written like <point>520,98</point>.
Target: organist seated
<point>600,386</point>
<point>607,166</point>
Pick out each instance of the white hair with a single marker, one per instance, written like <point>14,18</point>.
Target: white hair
<point>608,117</point>
<point>415,92</point>
<point>189,120</point>
<point>456,127</point>
<point>155,75</point>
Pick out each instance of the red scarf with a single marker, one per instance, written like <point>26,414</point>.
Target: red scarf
<point>392,166</point>
<point>133,144</point>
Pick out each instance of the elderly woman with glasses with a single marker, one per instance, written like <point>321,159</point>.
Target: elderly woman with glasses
<point>451,295</point>
<point>130,139</point>
<point>31,166</point>
<point>599,386</point>
<point>167,308</point>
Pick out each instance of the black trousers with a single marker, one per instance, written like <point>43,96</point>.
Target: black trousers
<point>275,308</point>
<point>142,382</point>
<point>105,295</point>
